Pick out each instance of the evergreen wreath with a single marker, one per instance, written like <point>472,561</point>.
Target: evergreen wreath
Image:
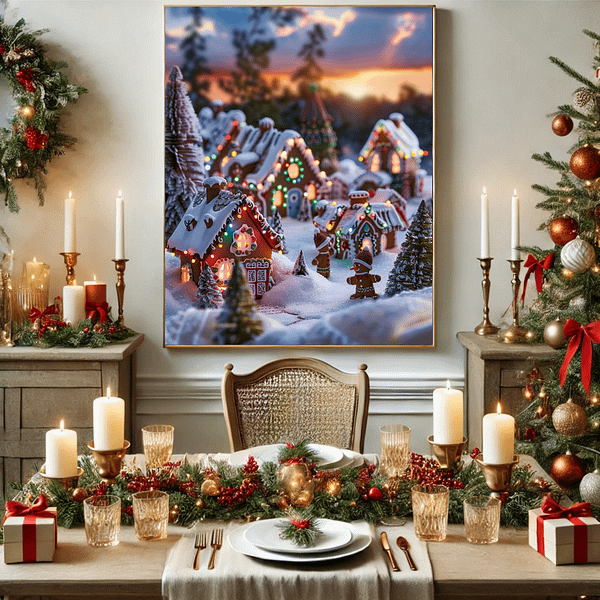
<point>41,92</point>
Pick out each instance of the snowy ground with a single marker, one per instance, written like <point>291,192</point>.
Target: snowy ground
<point>310,310</point>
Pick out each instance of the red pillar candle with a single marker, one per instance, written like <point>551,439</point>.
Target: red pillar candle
<point>95,291</point>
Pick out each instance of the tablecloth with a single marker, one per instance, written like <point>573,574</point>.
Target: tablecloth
<point>366,575</point>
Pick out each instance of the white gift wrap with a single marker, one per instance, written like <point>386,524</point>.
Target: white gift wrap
<point>559,538</point>
<point>45,536</point>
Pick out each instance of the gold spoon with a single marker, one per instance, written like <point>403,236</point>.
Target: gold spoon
<point>404,546</point>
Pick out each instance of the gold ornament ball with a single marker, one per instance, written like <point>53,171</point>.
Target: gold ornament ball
<point>200,503</point>
<point>333,487</point>
<point>79,494</point>
<point>554,334</point>
<point>569,418</point>
<point>585,162</point>
<point>567,470</point>
<point>210,487</point>
<point>562,230</point>
<point>173,513</point>
<point>283,501</point>
<point>562,125</point>
<point>303,499</point>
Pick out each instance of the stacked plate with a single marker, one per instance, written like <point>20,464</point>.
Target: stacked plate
<point>261,539</point>
<point>329,458</point>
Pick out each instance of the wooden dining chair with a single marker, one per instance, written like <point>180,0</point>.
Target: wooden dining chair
<point>291,399</point>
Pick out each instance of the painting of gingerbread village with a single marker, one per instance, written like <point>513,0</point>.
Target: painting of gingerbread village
<point>299,175</point>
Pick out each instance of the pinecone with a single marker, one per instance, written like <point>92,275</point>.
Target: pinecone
<point>584,101</point>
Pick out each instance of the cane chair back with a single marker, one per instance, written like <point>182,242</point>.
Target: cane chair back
<point>291,399</point>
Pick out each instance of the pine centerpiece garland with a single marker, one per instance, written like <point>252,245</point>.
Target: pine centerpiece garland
<point>301,527</point>
<point>41,92</point>
<point>296,453</point>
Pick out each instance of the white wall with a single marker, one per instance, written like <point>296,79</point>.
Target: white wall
<point>494,88</point>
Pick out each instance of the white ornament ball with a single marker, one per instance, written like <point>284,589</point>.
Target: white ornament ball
<point>578,255</point>
<point>589,488</point>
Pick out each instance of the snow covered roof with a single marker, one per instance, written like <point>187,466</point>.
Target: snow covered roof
<point>384,217</point>
<point>385,194</point>
<point>215,129</point>
<point>381,179</point>
<point>348,171</point>
<point>398,133</point>
<point>331,212</point>
<point>211,220</point>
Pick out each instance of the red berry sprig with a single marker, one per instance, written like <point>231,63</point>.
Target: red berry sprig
<point>251,466</point>
<point>232,496</point>
<point>36,140</point>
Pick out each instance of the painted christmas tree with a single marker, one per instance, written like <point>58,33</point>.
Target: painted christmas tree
<point>277,225</point>
<point>184,157</point>
<point>300,267</point>
<point>413,267</point>
<point>208,294</point>
<point>561,424</point>
<point>238,320</point>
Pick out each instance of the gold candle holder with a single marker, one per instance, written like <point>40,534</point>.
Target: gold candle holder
<point>70,259</point>
<point>120,264</point>
<point>448,455</point>
<point>486,327</point>
<point>69,483</point>
<point>109,462</point>
<point>516,334</point>
<point>497,477</point>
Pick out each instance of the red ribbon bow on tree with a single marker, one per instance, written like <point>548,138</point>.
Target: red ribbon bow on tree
<point>583,335</point>
<point>38,508</point>
<point>97,311</point>
<point>533,265</point>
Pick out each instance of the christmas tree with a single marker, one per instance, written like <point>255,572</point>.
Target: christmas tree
<point>208,294</point>
<point>238,321</point>
<point>300,267</point>
<point>561,423</point>
<point>275,222</point>
<point>413,267</point>
<point>184,157</point>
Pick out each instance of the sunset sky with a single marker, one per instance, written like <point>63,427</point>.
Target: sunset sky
<point>370,50</point>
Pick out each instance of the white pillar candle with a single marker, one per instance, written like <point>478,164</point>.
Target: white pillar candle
<point>73,303</point>
<point>514,228</point>
<point>109,422</point>
<point>447,416</point>
<point>120,229</point>
<point>498,438</point>
<point>61,452</point>
<point>485,226</point>
<point>70,236</point>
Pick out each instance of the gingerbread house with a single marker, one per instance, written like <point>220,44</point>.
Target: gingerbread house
<point>393,148</point>
<point>343,180</point>
<point>219,227</point>
<point>276,168</point>
<point>328,216</point>
<point>393,198</point>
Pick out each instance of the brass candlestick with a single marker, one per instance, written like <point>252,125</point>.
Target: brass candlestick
<point>70,259</point>
<point>448,455</point>
<point>515,333</point>
<point>486,327</point>
<point>497,477</point>
<point>120,264</point>
<point>109,462</point>
<point>6,310</point>
<point>69,483</point>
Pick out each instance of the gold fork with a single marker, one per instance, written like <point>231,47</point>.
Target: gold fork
<point>200,544</point>
<point>216,541</point>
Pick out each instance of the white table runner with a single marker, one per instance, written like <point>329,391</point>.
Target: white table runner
<point>358,577</point>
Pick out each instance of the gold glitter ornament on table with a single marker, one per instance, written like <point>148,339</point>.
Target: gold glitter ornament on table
<point>578,255</point>
<point>589,488</point>
<point>333,487</point>
<point>569,419</point>
<point>211,487</point>
<point>295,480</point>
<point>567,469</point>
<point>554,334</point>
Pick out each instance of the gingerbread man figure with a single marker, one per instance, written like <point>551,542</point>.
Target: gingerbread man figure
<point>323,258</point>
<point>362,279</point>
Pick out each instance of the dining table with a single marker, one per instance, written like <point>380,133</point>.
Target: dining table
<point>452,569</point>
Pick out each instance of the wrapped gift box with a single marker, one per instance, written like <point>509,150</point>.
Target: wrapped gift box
<point>30,538</point>
<point>565,541</point>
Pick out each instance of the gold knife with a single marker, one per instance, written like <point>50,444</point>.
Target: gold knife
<point>386,547</point>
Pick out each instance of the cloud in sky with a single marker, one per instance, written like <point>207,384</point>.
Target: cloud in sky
<point>318,16</point>
<point>207,28</point>
<point>407,26</point>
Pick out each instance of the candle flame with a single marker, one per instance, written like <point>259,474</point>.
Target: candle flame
<point>70,196</point>
<point>484,190</point>
<point>34,259</point>
<point>515,192</point>
<point>62,425</point>
<point>447,384</point>
<point>108,392</point>
<point>499,408</point>
<point>120,193</point>
<point>94,277</point>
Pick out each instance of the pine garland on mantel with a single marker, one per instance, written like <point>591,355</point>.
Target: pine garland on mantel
<point>225,492</point>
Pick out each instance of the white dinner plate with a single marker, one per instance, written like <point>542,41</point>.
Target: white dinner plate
<point>266,535</point>
<point>327,455</point>
<point>239,543</point>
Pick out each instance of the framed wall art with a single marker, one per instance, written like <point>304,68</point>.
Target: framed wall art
<point>299,170</point>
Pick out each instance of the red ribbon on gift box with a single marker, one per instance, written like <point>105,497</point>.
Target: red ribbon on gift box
<point>97,311</point>
<point>533,265</point>
<point>584,336</point>
<point>553,510</point>
<point>30,516</point>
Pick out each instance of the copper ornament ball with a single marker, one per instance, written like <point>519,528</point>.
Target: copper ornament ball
<point>569,419</point>
<point>585,162</point>
<point>567,470</point>
<point>554,334</point>
<point>562,125</point>
<point>79,494</point>
<point>562,230</point>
